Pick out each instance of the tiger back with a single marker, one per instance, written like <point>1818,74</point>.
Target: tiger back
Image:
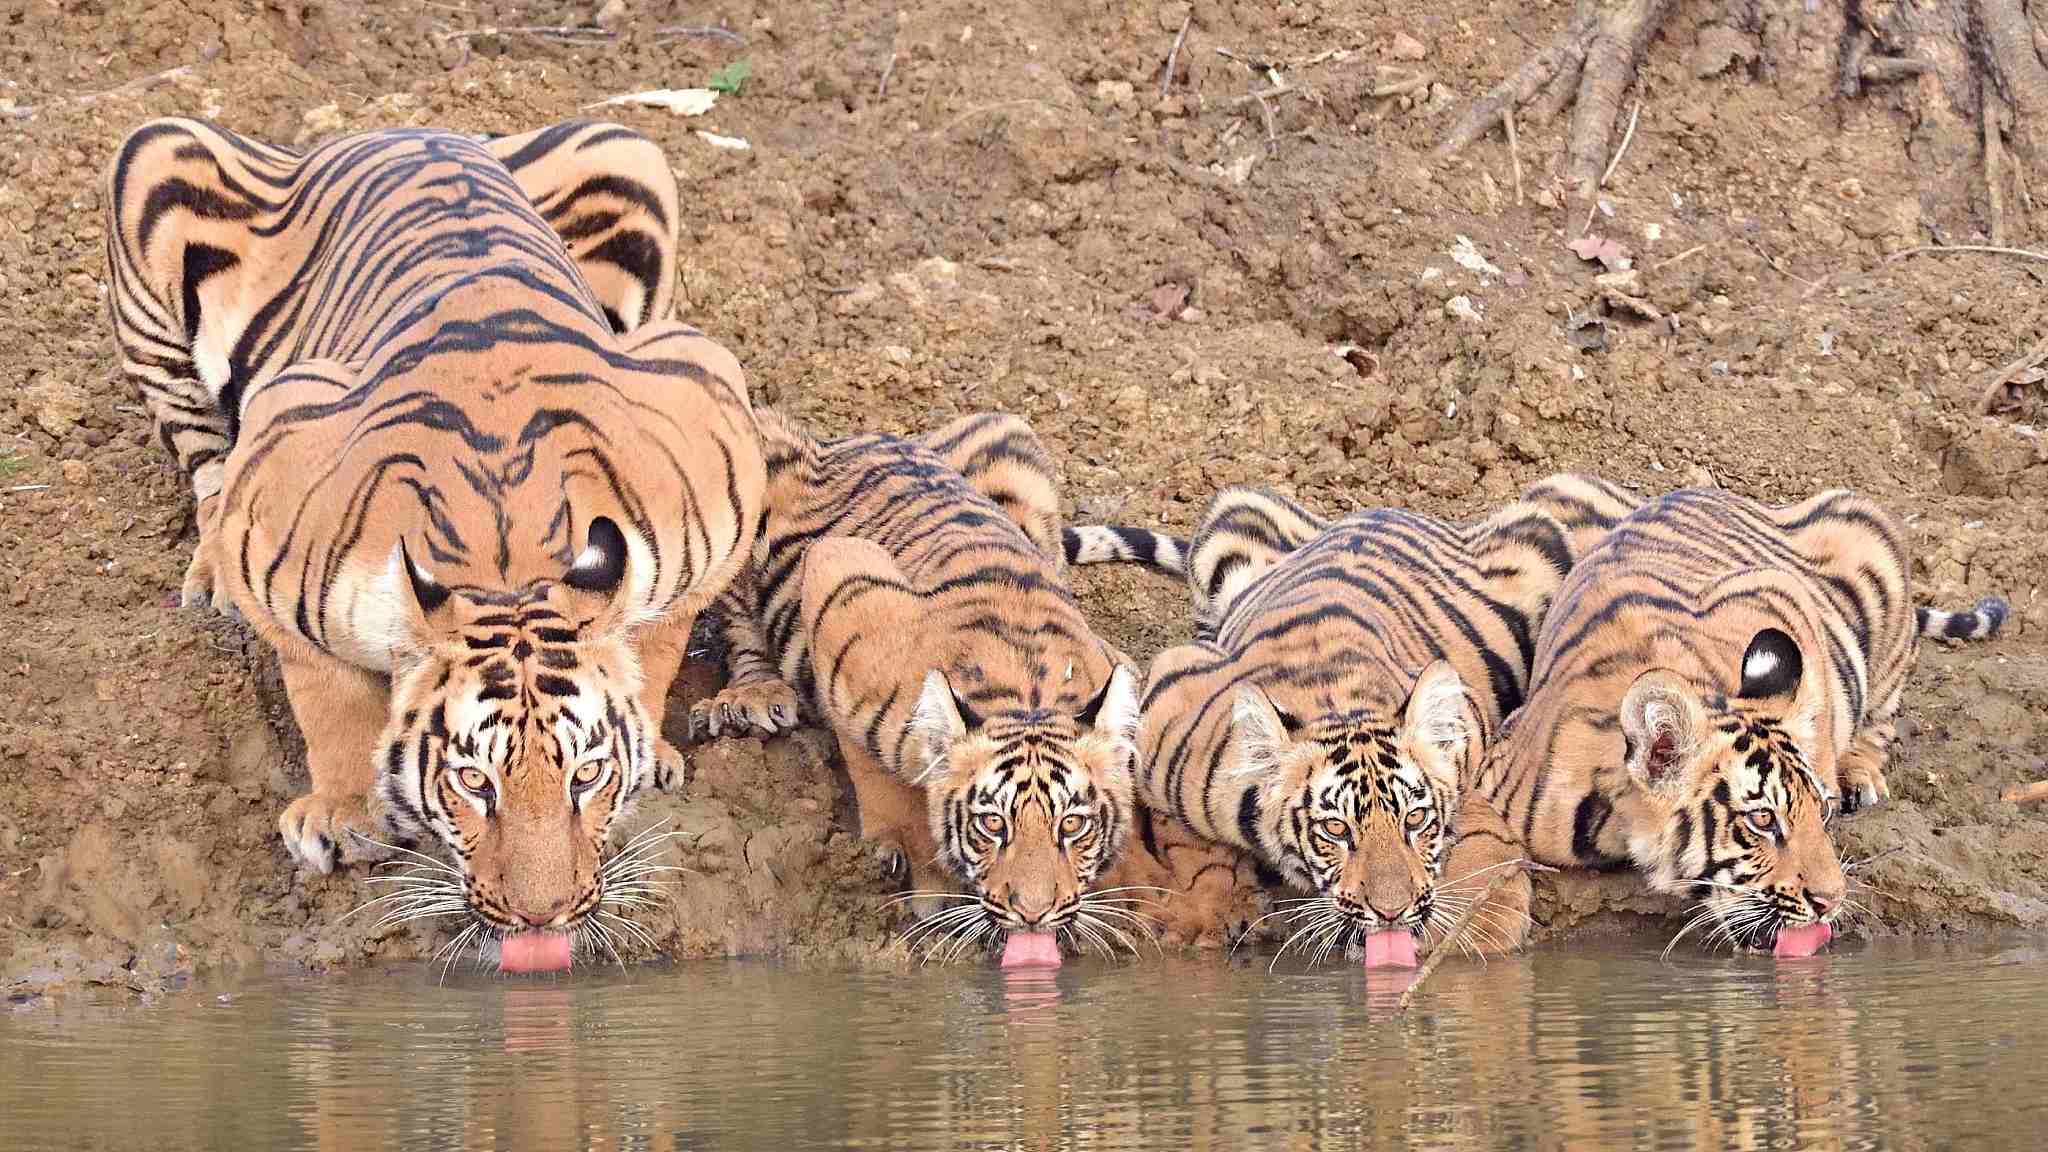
<point>1716,678</point>
<point>453,460</point>
<point>910,594</point>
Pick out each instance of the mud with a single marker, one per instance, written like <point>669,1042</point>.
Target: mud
<point>1177,292</point>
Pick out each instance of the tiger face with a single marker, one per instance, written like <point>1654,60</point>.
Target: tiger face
<point>1029,807</point>
<point>516,741</point>
<point>1353,808</point>
<point>1740,809</point>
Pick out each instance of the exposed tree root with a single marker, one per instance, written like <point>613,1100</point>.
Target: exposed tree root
<point>1988,93</point>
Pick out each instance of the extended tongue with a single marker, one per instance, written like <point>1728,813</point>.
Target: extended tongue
<point>1394,948</point>
<point>1031,950</point>
<point>1801,939</point>
<point>534,952</point>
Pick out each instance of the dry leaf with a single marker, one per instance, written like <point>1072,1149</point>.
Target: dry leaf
<point>1167,299</point>
<point>1608,252</point>
<point>679,101</point>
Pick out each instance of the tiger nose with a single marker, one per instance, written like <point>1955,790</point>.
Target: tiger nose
<point>550,916</point>
<point>1824,904</point>
<point>1030,909</point>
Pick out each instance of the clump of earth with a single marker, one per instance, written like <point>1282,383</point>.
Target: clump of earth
<point>950,208</point>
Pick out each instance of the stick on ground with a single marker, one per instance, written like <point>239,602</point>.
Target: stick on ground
<point>1443,947</point>
<point>1166,81</point>
<point>1507,120</point>
<point>1995,388</point>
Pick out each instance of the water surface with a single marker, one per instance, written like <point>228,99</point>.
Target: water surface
<point>1886,1046</point>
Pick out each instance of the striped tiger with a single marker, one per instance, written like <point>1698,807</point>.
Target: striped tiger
<point>1346,678</point>
<point>910,594</point>
<point>1716,678</point>
<point>453,461</point>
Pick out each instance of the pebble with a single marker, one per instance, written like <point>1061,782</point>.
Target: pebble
<point>1407,47</point>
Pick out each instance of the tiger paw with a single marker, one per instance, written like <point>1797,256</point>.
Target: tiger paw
<point>1863,784</point>
<point>201,588</point>
<point>324,832</point>
<point>671,767</point>
<point>759,708</point>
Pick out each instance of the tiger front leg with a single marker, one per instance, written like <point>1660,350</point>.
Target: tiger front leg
<point>1860,772</point>
<point>660,647</point>
<point>756,700</point>
<point>202,585</point>
<point>341,711</point>
<point>895,820</point>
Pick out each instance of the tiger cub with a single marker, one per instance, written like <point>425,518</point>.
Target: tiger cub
<point>1346,678</point>
<point>453,461</point>
<point>1716,678</point>
<point>911,595</point>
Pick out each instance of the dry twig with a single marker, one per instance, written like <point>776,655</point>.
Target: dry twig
<point>27,110</point>
<point>1166,81</point>
<point>1443,947</point>
<point>882,89</point>
<point>1507,120</point>
<point>1995,389</point>
<point>1992,249</point>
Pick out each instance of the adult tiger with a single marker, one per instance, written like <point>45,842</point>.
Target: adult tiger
<point>1346,677</point>
<point>453,461</point>
<point>910,594</point>
<point>1715,677</point>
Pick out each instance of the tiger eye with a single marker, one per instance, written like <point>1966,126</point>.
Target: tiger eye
<point>474,780</point>
<point>1336,829</point>
<point>1763,819</point>
<point>992,824</point>
<point>1072,825</point>
<point>588,771</point>
<point>1417,817</point>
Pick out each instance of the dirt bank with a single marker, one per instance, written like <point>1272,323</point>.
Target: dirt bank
<point>972,205</point>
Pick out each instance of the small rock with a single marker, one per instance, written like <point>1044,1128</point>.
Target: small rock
<point>1460,308</point>
<point>75,472</point>
<point>58,405</point>
<point>1720,46</point>
<point>895,354</point>
<point>610,13</point>
<point>1407,47</point>
<point>1172,16</point>
<point>1117,92</point>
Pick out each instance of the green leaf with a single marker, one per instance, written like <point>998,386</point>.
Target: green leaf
<point>731,78</point>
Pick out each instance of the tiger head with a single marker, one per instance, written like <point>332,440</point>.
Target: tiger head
<point>1354,807</point>
<point>1028,807</point>
<point>1739,805</point>
<point>516,736</point>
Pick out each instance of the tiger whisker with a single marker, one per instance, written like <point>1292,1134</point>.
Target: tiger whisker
<point>909,896</point>
<point>414,858</point>
<point>452,948</point>
<point>631,929</point>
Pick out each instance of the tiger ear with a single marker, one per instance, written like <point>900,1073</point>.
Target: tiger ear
<point>1661,718</point>
<point>939,719</point>
<point>1436,723</point>
<point>1263,737</point>
<point>599,571</point>
<point>1113,716</point>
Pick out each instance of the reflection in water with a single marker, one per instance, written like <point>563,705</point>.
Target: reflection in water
<point>1893,1047</point>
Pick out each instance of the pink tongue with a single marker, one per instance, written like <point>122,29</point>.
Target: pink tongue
<point>534,952</point>
<point>1802,939</point>
<point>1031,950</point>
<point>1391,949</point>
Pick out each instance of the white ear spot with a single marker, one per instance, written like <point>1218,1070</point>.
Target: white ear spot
<point>588,559</point>
<point>1118,716</point>
<point>1760,665</point>
<point>1439,713</point>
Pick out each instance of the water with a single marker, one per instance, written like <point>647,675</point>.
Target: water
<point>1889,1046</point>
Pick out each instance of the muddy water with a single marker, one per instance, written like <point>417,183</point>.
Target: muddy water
<point>1888,1046</point>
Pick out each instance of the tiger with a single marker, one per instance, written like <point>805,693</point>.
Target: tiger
<point>1345,678</point>
<point>1717,678</point>
<point>909,595</point>
<point>455,462</point>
